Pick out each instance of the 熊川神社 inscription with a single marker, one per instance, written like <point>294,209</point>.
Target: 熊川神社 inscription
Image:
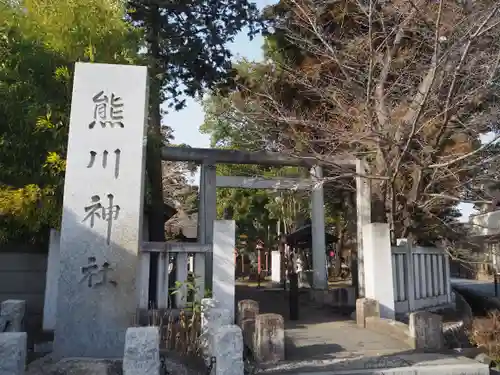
<point>105,153</point>
<point>108,213</point>
<point>96,274</point>
<point>108,110</point>
<point>102,211</point>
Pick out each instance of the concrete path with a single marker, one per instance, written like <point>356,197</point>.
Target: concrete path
<point>396,364</point>
<point>328,342</point>
<point>320,333</point>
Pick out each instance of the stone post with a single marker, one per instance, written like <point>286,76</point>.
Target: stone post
<point>212,318</point>
<point>379,284</point>
<point>247,309</point>
<point>142,351</point>
<point>365,308</point>
<point>269,338</point>
<point>228,350</point>
<point>247,313</point>
<point>12,312</point>
<point>13,353</point>
<point>207,304</point>
<point>426,329</point>
<point>224,280</point>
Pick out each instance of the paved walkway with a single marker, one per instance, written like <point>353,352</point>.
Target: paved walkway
<point>320,334</point>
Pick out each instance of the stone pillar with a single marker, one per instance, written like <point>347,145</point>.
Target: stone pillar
<point>224,280</point>
<point>247,313</point>
<point>247,309</point>
<point>276,268</point>
<point>320,275</point>
<point>215,318</point>
<point>101,229</point>
<point>13,353</point>
<point>212,318</point>
<point>228,350</point>
<point>207,304</point>
<point>365,308</point>
<point>379,284</point>
<point>269,338</point>
<point>142,351</point>
<point>51,280</point>
<point>12,311</point>
<point>364,213</point>
<point>427,330</point>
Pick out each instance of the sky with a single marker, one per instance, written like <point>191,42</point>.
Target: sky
<point>186,122</point>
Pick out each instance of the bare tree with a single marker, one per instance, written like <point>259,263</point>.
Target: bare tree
<point>177,190</point>
<point>408,85</point>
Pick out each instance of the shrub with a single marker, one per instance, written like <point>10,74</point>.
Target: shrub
<point>485,333</point>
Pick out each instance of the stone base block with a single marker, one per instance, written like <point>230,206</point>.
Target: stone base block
<point>12,313</point>
<point>13,353</point>
<point>142,351</point>
<point>427,330</point>
<point>269,338</point>
<point>366,308</point>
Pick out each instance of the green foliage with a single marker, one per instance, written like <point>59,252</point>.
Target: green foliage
<point>189,288</point>
<point>39,44</point>
<point>90,30</point>
<point>187,42</point>
<point>186,51</point>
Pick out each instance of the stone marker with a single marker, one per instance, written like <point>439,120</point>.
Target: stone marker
<point>217,318</point>
<point>228,351</point>
<point>427,330</point>
<point>365,308</point>
<point>13,353</point>
<point>142,351</point>
<point>247,309</point>
<point>269,338</point>
<point>212,315</point>
<point>207,304</point>
<point>101,230</point>
<point>12,311</point>
<point>213,320</point>
<point>224,281</point>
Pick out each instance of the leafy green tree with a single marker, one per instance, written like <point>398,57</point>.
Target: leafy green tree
<point>39,42</point>
<point>187,53</point>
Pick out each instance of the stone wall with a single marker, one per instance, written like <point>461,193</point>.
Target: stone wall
<point>22,277</point>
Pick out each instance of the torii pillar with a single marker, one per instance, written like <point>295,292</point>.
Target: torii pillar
<point>320,273</point>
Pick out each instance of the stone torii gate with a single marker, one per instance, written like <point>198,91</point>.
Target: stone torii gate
<point>209,158</point>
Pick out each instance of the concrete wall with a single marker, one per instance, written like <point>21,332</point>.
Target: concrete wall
<point>22,276</point>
